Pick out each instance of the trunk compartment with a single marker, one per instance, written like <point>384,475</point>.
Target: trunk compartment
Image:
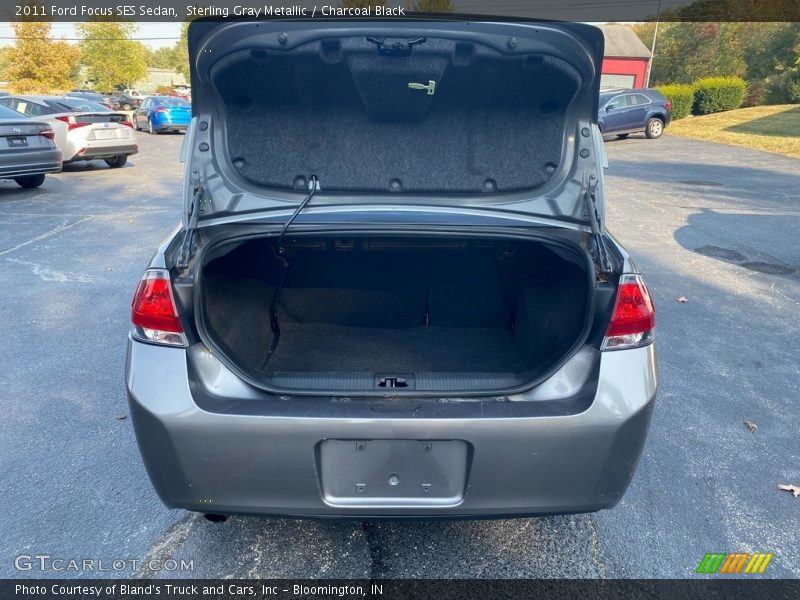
<point>390,315</point>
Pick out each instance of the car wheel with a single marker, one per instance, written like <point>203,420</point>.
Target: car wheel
<point>655,127</point>
<point>30,181</point>
<point>622,136</point>
<point>117,161</point>
<point>150,129</point>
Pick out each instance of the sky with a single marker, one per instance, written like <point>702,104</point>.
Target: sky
<point>170,31</point>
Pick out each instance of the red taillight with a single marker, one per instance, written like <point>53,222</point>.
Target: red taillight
<point>153,312</point>
<point>48,133</point>
<point>633,319</point>
<point>160,109</point>
<point>128,123</point>
<point>72,122</point>
<point>667,105</point>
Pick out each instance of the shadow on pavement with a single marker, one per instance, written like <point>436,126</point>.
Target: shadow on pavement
<point>750,237</point>
<point>780,124</point>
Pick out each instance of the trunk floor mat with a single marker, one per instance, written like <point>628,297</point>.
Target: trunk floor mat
<point>436,352</point>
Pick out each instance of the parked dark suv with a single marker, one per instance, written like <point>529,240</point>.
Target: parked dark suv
<point>633,111</point>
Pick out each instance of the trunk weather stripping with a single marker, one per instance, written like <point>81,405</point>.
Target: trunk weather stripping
<point>598,249</point>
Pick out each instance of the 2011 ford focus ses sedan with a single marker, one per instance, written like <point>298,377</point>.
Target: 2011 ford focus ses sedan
<point>393,293</point>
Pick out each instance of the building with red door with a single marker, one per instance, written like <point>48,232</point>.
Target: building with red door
<point>625,60</point>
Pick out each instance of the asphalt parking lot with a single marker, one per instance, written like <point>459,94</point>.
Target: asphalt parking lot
<point>715,224</point>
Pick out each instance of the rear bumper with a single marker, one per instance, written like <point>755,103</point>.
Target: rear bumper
<point>161,124</point>
<point>170,127</point>
<point>262,456</point>
<point>97,150</point>
<point>30,163</point>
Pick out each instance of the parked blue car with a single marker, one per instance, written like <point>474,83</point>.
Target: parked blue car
<point>162,113</point>
<point>623,112</point>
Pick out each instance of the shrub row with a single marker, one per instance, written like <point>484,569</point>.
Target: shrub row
<point>681,97</point>
<point>705,96</point>
<point>717,94</point>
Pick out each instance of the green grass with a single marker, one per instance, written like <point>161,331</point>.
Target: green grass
<point>771,128</point>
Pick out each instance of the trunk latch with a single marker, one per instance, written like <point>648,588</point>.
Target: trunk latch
<point>392,382</point>
<point>395,46</point>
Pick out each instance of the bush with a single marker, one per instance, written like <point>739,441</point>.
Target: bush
<point>716,94</point>
<point>681,98</point>
<point>756,94</point>
<point>783,88</point>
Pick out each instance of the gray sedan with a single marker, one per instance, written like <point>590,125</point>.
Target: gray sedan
<point>27,149</point>
<point>393,293</point>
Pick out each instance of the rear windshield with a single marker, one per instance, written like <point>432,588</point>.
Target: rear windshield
<point>7,113</point>
<point>89,96</point>
<point>169,101</point>
<point>77,105</point>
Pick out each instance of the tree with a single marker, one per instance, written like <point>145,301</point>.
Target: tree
<point>110,55</point>
<point>181,51</point>
<point>4,62</point>
<point>38,64</point>
<point>689,51</point>
<point>162,58</point>
<point>646,30</point>
<point>438,6</point>
<point>361,3</point>
<point>769,48</point>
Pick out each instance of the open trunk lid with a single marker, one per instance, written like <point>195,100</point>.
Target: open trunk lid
<point>488,117</point>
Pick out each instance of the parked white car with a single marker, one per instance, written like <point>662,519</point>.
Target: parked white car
<point>134,93</point>
<point>84,130</point>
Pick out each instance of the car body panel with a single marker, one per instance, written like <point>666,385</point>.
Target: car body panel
<point>23,150</point>
<point>213,443</point>
<point>101,140</point>
<point>164,112</point>
<point>518,466</point>
<point>105,135</point>
<point>629,111</point>
<point>571,444</point>
<point>126,102</point>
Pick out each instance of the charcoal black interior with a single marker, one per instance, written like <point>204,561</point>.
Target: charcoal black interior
<point>443,314</point>
<point>339,109</point>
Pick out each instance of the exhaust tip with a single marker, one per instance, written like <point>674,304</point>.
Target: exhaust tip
<point>214,518</point>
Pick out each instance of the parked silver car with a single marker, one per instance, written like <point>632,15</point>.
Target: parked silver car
<point>27,149</point>
<point>84,130</point>
<point>393,293</point>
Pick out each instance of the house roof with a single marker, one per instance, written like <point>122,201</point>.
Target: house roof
<point>622,42</point>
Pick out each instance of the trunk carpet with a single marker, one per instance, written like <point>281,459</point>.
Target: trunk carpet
<point>334,348</point>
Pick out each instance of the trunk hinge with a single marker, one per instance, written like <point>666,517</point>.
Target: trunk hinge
<point>190,232</point>
<point>599,252</point>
